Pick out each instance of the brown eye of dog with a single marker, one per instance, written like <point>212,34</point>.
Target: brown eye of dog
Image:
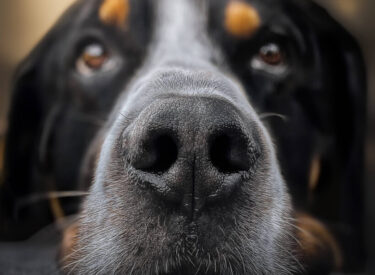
<point>271,54</point>
<point>94,56</point>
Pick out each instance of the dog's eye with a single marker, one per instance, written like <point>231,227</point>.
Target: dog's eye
<point>92,58</point>
<point>271,54</point>
<point>270,58</point>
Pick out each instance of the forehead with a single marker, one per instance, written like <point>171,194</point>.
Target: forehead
<point>246,12</point>
<point>182,25</point>
<point>141,18</point>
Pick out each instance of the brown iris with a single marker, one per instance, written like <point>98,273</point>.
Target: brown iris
<point>94,56</point>
<point>271,54</point>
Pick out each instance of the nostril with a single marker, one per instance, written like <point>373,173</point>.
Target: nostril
<point>229,152</point>
<point>158,154</point>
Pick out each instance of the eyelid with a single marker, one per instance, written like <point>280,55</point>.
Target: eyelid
<point>87,41</point>
<point>258,64</point>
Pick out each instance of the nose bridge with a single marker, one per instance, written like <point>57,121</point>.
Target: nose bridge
<point>187,141</point>
<point>181,59</point>
<point>191,118</point>
<point>180,32</point>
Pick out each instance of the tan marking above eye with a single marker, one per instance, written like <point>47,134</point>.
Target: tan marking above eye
<point>114,12</point>
<point>241,19</point>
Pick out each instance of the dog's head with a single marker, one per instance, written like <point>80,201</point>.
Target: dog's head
<point>183,97</point>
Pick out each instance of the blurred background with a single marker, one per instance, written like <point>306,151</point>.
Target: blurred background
<point>24,22</point>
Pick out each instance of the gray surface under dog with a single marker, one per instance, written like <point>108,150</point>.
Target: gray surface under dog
<point>37,255</point>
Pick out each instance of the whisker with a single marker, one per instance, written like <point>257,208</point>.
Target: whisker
<point>34,198</point>
<point>268,115</point>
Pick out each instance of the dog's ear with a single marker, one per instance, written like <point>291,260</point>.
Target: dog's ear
<point>27,108</point>
<point>32,98</point>
<point>336,100</point>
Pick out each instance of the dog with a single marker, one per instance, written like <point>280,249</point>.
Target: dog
<point>214,137</point>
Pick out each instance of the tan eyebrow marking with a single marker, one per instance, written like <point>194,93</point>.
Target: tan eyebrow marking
<point>241,19</point>
<point>114,12</point>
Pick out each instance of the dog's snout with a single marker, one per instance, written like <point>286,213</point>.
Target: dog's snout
<point>190,151</point>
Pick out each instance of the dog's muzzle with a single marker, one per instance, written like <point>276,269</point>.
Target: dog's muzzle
<point>188,169</point>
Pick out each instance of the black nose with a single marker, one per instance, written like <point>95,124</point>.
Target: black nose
<point>191,151</point>
<point>227,150</point>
